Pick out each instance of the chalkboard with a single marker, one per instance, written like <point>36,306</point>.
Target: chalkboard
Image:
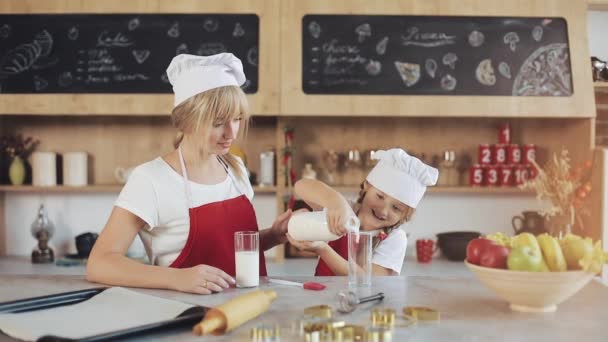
<point>116,53</point>
<point>435,55</point>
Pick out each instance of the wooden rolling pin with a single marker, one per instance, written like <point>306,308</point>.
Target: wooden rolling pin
<point>234,312</point>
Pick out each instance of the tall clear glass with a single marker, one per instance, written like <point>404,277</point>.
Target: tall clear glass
<point>360,260</point>
<point>247,258</point>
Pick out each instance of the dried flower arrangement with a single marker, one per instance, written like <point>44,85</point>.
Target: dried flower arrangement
<point>565,188</point>
<point>18,146</point>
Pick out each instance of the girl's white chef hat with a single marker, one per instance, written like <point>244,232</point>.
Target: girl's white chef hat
<point>402,176</point>
<point>190,75</point>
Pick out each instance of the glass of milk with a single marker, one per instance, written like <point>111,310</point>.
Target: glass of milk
<point>247,258</point>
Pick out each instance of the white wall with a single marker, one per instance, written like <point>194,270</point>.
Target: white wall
<point>73,214</point>
<point>597,25</point>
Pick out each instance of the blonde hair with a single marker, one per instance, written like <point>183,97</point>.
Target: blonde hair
<point>199,113</point>
<point>406,216</point>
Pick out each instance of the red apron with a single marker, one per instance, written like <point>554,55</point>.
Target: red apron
<point>212,227</point>
<point>341,247</point>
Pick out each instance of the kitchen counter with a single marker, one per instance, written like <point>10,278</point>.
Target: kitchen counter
<point>469,311</point>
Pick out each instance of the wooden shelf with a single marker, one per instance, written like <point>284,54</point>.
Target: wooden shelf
<point>597,5</point>
<point>107,188</point>
<point>458,190</point>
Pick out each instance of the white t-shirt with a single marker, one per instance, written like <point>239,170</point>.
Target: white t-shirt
<point>156,193</point>
<point>390,252</point>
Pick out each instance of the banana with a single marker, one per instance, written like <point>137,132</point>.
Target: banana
<point>552,253</point>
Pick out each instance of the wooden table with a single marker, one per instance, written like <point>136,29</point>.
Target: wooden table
<point>469,311</point>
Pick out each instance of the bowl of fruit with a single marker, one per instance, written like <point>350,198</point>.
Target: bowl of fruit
<point>534,273</point>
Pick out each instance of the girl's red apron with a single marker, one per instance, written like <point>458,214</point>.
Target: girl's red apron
<point>341,247</point>
<point>212,227</point>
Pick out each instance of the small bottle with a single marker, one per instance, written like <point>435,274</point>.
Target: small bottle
<point>313,226</point>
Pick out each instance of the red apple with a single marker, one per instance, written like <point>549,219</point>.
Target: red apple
<point>475,249</point>
<point>495,256</point>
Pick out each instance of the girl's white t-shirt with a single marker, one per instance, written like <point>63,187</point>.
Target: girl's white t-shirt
<point>390,252</point>
<point>156,193</point>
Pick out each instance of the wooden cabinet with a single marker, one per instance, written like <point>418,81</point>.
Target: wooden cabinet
<point>264,102</point>
<point>295,102</point>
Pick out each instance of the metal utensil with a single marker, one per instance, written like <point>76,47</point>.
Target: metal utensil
<point>348,300</point>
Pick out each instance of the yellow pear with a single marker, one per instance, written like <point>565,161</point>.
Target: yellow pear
<point>576,249</point>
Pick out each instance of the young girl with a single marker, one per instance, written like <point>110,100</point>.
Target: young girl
<point>387,200</point>
<point>187,205</point>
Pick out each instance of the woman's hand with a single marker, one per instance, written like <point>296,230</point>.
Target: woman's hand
<point>201,279</point>
<point>337,216</point>
<point>308,246</point>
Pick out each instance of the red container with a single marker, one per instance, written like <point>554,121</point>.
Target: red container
<point>529,153</point>
<point>504,134</point>
<point>425,248</point>
<point>476,175</point>
<point>499,154</point>
<point>491,175</point>
<point>513,154</point>
<point>485,154</point>
<point>506,175</point>
<point>520,174</point>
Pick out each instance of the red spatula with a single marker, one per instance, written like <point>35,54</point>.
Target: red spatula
<point>309,285</point>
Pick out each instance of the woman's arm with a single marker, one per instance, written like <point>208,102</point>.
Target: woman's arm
<point>108,264</point>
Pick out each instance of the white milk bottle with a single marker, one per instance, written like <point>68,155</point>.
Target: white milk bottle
<point>313,226</point>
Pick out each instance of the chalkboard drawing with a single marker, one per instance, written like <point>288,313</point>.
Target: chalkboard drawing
<point>40,83</point>
<point>45,41</point>
<point>448,82</point>
<point>537,33</point>
<point>450,59</point>
<point>173,31</point>
<point>504,69</point>
<point>65,79</point>
<point>430,66</point>
<point>426,39</point>
<point>314,29</point>
<point>409,72</point>
<point>252,56</point>
<point>238,30</point>
<point>164,78</point>
<point>73,33</point>
<point>363,31</point>
<point>208,49</point>
<point>546,72</point>
<point>133,24</point>
<point>5,31</point>
<point>181,48</point>
<point>512,39</point>
<point>211,25</point>
<point>485,73</point>
<point>140,55</point>
<point>381,46</point>
<point>19,59</point>
<point>373,68</point>
<point>476,38</point>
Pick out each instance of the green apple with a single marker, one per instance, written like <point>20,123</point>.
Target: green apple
<point>524,258</point>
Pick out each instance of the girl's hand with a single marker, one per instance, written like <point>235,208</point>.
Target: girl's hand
<point>201,279</point>
<point>308,246</point>
<point>338,215</point>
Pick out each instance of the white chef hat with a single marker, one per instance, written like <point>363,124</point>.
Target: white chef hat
<point>402,176</point>
<point>190,74</point>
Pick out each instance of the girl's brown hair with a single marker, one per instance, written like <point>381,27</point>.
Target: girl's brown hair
<point>199,113</point>
<point>407,214</point>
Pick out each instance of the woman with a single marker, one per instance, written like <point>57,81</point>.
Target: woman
<point>187,205</point>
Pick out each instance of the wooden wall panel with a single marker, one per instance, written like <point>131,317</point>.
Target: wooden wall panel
<point>295,102</point>
<point>264,102</point>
